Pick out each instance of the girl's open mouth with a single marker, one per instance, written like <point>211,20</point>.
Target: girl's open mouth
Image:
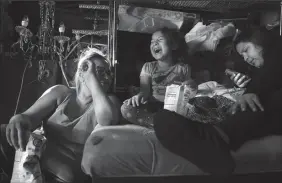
<point>157,50</point>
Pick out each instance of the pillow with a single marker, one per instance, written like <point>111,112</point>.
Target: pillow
<point>206,38</point>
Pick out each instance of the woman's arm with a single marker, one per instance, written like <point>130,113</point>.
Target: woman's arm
<point>116,102</point>
<point>45,104</point>
<point>107,109</point>
<point>144,93</point>
<point>20,125</point>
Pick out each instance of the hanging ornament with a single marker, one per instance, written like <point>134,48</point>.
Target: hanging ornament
<point>54,47</point>
<point>62,47</point>
<point>21,43</point>
<point>25,39</point>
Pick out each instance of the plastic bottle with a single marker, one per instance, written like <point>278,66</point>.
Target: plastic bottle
<point>26,164</point>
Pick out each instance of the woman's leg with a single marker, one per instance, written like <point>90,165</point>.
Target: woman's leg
<point>197,142</point>
<point>131,150</point>
<point>118,151</point>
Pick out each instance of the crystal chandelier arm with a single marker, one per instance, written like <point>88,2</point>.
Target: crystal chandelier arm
<point>63,71</point>
<point>35,45</point>
<point>62,59</point>
<point>73,43</point>
<point>77,41</point>
<point>14,44</point>
<point>58,52</point>
<point>72,50</point>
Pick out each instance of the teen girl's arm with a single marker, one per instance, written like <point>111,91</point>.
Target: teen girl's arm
<point>145,86</point>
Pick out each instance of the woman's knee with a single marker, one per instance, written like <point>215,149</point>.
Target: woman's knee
<point>92,158</point>
<point>105,149</point>
<point>102,150</point>
<point>137,115</point>
<point>128,111</point>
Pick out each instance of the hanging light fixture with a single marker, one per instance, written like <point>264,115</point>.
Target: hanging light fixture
<point>281,18</point>
<point>24,32</point>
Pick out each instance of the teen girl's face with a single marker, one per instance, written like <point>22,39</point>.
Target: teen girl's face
<point>160,46</point>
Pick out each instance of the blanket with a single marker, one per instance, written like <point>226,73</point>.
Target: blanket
<point>212,103</point>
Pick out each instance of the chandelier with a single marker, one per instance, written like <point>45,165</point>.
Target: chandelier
<point>52,48</point>
<point>46,46</point>
<point>43,45</point>
<point>60,47</point>
<point>45,33</point>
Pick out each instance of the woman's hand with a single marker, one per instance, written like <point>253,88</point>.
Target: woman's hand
<point>247,100</point>
<point>18,131</point>
<point>240,80</point>
<point>136,100</point>
<point>87,70</point>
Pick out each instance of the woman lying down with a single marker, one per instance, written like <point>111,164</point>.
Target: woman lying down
<point>72,115</point>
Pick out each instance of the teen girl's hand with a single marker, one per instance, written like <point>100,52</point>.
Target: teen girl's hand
<point>250,100</point>
<point>240,80</point>
<point>137,100</point>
